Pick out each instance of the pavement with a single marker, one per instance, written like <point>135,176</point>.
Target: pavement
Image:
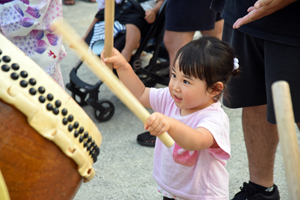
<point>124,168</point>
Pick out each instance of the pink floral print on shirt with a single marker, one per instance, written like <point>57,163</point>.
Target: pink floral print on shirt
<point>184,157</point>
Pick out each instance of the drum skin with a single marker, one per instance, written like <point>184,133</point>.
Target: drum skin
<point>33,167</point>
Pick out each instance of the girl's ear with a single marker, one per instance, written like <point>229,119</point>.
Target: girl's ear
<point>217,88</point>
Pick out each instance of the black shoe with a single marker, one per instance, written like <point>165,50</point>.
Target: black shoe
<point>145,139</point>
<point>248,192</point>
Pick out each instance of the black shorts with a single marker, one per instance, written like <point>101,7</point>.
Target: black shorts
<point>262,62</point>
<point>192,15</point>
<point>132,16</point>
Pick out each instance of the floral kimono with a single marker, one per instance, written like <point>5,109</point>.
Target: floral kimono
<point>27,24</point>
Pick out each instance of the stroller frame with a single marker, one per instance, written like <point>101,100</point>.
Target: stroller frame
<point>157,71</point>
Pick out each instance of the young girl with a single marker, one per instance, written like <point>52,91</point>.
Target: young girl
<point>190,111</point>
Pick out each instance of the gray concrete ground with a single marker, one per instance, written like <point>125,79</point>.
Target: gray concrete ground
<point>124,168</point>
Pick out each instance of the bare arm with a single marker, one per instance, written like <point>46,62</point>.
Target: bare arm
<point>186,137</point>
<point>128,77</point>
<point>261,9</point>
<point>150,15</point>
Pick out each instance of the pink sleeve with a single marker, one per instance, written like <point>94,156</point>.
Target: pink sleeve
<point>218,125</point>
<point>158,98</point>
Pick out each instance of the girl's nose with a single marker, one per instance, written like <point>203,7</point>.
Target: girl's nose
<point>176,86</point>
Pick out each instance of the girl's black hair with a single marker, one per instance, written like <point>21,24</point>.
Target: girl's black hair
<point>208,59</point>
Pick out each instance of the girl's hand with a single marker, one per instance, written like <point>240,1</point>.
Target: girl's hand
<point>116,59</point>
<point>150,16</point>
<point>157,124</point>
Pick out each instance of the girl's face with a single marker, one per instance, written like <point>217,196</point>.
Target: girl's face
<point>189,93</point>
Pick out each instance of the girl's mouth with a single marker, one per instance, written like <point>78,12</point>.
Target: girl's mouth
<point>176,99</point>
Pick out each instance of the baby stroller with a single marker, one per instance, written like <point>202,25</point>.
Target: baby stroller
<point>152,72</point>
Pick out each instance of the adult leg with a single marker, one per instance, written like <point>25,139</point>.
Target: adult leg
<point>261,139</point>
<point>174,41</point>
<point>133,37</point>
<point>217,31</point>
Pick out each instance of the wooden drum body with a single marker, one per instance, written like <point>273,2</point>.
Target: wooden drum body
<point>47,142</point>
<point>33,166</point>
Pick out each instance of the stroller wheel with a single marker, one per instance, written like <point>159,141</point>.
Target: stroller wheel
<point>104,110</point>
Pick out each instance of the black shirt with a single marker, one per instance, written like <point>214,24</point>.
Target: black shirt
<point>282,26</point>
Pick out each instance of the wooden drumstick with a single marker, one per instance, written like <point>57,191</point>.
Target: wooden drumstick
<point>287,135</point>
<point>105,74</point>
<point>4,194</point>
<point>109,17</point>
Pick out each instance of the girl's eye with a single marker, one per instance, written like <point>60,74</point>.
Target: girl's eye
<point>186,82</point>
<point>173,75</point>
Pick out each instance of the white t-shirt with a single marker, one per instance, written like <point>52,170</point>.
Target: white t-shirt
<point>147,5</point>
<point>192,174</point>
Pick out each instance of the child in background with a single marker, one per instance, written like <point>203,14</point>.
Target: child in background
<point>190,111</point>
<point>130,20</point>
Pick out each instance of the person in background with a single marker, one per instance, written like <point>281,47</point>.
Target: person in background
<point>129,20</point>
<point>265,35</point>
<point>27,24</point>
